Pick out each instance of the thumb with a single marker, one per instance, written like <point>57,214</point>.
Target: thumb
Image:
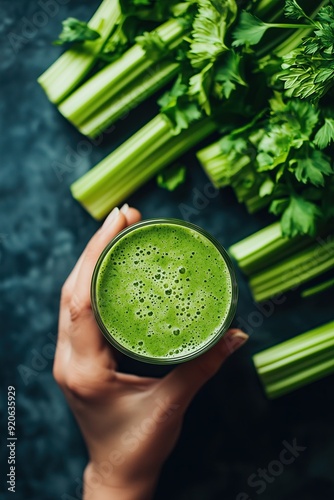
<point>183,382</point>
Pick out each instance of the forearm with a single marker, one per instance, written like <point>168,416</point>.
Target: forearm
<point>95,488</point>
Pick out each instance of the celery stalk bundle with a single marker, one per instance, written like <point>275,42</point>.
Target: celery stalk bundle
<point>113,79</point>
<point>276,264</point>
<point>296,362</point>
<point>270,119</point>
<point>282,158</point>
<point>134,162</point>
<point>60,79</point>
<point>131,71</point>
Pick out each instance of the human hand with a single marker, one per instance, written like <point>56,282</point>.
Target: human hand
<point>130,423</point>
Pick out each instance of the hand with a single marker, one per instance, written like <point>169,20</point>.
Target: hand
<point>130,423</point>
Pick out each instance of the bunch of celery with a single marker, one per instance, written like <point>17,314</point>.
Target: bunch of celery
<point>136,74</point>
<point>276,264</point>
<point>130,71</point>
<point>210,83</point>
<point>283,156</point>
<point>60,79</point>
<point>134,163</point>
<point>296,362</point>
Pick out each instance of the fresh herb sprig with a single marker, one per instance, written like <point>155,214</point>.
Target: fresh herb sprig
<point>281,160</point>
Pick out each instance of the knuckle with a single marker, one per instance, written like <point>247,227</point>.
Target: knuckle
<point>81,387</point>
<point>77,307</point>
<point>66,294</point>
<point>74,385</point>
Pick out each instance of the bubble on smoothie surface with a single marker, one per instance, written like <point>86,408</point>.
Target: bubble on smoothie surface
<point>163,291</point>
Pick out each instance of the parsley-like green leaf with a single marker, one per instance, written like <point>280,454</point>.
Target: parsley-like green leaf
<point>75,31</point>
<point>313,167</point>
<point>300,217</point>
<point>278,206</point>
<point>200,86</point>
<point>249,31</point>
<point>177,107</point>
<point>172,177</point>
<point>308,71</point>
<point>294,11</point>
<point>154,47</point>
<point>325,134</point>
<point>266,187</point>
<point>209,30</point>
<point>228,75</point>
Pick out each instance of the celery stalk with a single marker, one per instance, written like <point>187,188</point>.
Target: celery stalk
<point>296,362</point>
<point>264,248</point>
<point>109,81</point>
<point>218,169</point>
<point>134,162</point>
<point>132,95</point>
<point>318,288</point>
<point>65,74</point>
<point>294,270</point>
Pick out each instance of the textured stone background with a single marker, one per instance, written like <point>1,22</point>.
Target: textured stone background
<point>231,429</point>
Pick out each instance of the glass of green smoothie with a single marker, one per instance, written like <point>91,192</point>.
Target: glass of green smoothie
<point>164,291</point>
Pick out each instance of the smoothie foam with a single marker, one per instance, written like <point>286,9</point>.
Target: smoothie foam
<point>163,291</point>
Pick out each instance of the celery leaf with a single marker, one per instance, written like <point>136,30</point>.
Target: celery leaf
<point>299,216</point>
<point>313,167</point>
<point>75,31</point>
<point>209,29</point>
<point>249,31</point>
<point>172,177</point>
<point>154,47</point>
<point>325,134</point>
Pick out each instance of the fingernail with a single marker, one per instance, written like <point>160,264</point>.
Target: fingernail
<point>125,208</point>
<point>111,218</point>
<point>236,340</point>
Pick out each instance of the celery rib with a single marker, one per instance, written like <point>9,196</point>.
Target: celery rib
<point>117,192</point>
<point>132,95</point>
<point>109,81</point>
<point>293,271</point>
<point>296,362</point>
<point>65,74</point>
<point>264,248</point>
<point>134,162</point>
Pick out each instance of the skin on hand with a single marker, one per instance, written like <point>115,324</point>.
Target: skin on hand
<point>130,423</point>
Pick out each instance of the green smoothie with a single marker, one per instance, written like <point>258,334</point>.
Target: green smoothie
<point>163,291</point>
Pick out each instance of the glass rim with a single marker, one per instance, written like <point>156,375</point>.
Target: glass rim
<point>182,358</point>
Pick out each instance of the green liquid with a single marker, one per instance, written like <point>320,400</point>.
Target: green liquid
<point>163,291</point>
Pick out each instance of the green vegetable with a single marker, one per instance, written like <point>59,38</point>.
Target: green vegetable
<point>309,70</point>
<point>317,288</point>
<point>296,362</point>
<point>276,264</point>
<point>282,158</point>
<point>136,161</point>
<point>132,95</point>
<point>277,160</point>
<point>75,31</point>
<point>294,270</point>
<point>110,82</point>
<point>251,29</point>
<point>180,126</point>
<point>60,79</point>
<point>172,177</point>
<point>265,248</point>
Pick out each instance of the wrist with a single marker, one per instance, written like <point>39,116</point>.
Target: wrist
<point>99,486</point>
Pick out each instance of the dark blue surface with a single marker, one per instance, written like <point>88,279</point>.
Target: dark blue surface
<point>231,430</point>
